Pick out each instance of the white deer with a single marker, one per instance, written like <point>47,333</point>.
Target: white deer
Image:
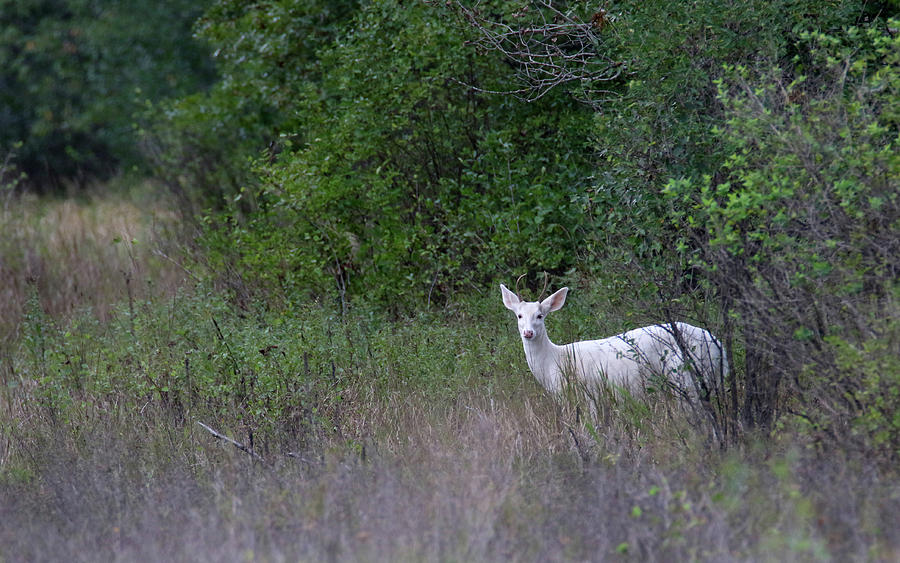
<point>622,362</point>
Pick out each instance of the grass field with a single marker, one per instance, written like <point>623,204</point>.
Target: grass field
<point>374,438</point>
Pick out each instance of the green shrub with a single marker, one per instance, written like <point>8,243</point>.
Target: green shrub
<point>798,230</point>
<point>285,376</point>
<point>404,185</point>
<point>661,122</point>
<point>267,56</point>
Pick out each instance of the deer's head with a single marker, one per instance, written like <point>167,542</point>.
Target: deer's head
<point>531,314</point>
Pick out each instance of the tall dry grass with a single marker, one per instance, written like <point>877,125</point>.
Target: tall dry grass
<point>66,256</point>
<point>478,478</point>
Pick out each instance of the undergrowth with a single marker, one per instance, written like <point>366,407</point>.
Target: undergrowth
<point>176,425</point>
<point>376,438</point>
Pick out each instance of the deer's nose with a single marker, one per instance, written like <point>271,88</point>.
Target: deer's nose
<point>528,334</point>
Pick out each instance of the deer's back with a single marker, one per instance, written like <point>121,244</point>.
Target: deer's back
<point>628,359</point>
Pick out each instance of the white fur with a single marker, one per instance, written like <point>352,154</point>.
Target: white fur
<point>624,361</point>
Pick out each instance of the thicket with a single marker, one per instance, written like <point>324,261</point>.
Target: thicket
<point>266,54</point>
<point>661,123</point>
<point>387,174</point>
<point>797,229</point>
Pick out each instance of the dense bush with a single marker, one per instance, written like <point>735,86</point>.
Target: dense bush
<point>798,230</point>
<point>75,73</point>
<point>387,166</point>
<point>401,183</point>
<point>267,57</point>
<point>661,123</point>
<point>649,71</point>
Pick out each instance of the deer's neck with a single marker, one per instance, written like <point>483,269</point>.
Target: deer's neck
<point>543,359</point>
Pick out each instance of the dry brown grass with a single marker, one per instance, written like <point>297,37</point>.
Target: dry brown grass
<point>94,254</point>
<point>479,478</point>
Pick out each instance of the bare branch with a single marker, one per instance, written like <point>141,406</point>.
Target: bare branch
<point>550,49</point>
<point>234,443</point>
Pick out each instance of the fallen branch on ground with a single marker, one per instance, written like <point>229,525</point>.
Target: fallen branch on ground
<point>234,443</point>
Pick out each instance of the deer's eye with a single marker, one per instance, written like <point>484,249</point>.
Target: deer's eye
<point>540,316</point>
<point>520,316</point>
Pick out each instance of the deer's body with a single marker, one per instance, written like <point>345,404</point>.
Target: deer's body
<point>625,361</point>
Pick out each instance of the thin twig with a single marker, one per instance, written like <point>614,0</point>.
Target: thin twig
<point>585,458</point>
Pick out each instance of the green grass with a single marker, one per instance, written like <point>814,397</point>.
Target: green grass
<point>379,439</point>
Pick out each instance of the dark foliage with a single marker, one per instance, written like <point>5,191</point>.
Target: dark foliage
<point>75,73</point>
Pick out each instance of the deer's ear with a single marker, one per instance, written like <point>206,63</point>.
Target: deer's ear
<point>555,301</point>
<point>509,298</point>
